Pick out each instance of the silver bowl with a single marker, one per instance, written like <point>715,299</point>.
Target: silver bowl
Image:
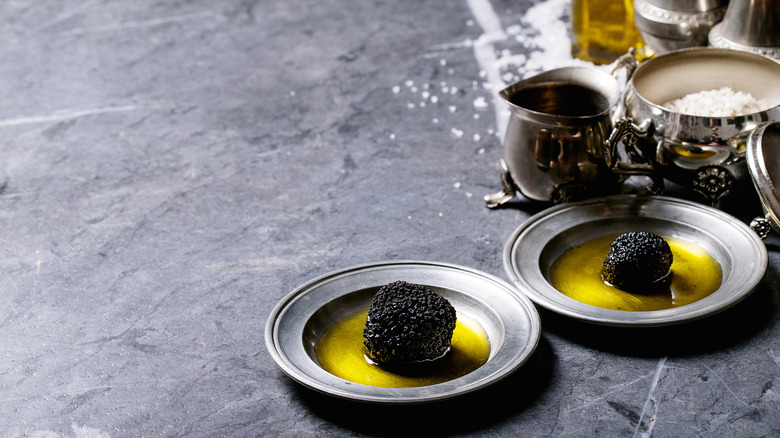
<point>706,154</point>
<point>300,319</point>
<point>669,25</point>
<point>537,243</point>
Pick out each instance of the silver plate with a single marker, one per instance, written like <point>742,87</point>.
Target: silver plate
<point>534,246</point>
<point>299,320</point>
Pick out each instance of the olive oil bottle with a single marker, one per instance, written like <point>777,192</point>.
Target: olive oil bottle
<point>603,30</point>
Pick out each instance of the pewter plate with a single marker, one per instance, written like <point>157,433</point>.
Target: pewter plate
<point>299,320</point>
<point>538,242</point>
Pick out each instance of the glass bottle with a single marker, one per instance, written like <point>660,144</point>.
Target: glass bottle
<point>603,30</point>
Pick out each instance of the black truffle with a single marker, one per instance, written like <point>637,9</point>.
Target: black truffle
<point>638,261</point>
<point>408,323</point>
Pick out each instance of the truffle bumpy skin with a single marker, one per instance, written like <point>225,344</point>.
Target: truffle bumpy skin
<point>637,261</point>
<point>408,323</point>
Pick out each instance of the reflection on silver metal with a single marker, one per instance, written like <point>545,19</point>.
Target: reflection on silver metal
<point>749,25</point>
<point>763,159</point>
<point>555,142</point>
<point>299,320</point>
<point>718,40</point>
<point>685,144</point>
<point>537,243</point>
<point>669,25</point>
<point>689,5</point>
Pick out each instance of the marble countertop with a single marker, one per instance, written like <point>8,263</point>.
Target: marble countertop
<point>172,169</point>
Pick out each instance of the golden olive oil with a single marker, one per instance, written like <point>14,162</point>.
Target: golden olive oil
<point>340,351</point>
<point>603,30</point>
<point>577,274</point>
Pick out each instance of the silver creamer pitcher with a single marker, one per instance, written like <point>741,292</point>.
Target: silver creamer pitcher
<point>558,144</point>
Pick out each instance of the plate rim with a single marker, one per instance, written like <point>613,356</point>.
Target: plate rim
<point>546,296</point>
<point>340,388</point>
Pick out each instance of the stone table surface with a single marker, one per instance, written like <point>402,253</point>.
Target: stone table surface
<point>171,169</point>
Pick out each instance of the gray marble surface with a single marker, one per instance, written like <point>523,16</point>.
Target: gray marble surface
<point>171,169</point>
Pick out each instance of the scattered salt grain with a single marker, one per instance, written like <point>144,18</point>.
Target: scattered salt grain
<point>480,103</point>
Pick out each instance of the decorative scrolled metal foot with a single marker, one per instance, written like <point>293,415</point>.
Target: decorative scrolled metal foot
<point>714,183</point>
<point>508,190</point>
<point>657,186</point>
<point>761,226</point>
